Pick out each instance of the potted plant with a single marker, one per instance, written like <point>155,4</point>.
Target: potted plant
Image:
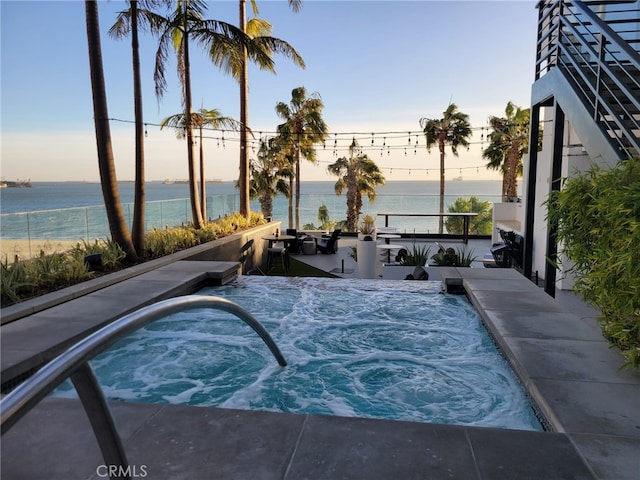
<point>406,262</point>
<point>449,257</point>
<point>366,247</point>
<point>367,228</point>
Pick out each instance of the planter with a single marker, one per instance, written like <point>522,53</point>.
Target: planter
<point>366,251</point>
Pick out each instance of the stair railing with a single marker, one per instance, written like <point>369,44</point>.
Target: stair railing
<point>602,67</point>
<point>74,364</point>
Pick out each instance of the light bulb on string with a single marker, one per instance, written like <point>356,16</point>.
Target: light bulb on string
<point>372,139</point>
<point>146,133</point>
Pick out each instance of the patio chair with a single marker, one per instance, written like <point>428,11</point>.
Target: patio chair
<point>294,246</point>
<point>329,245</point>
<point>246,252</point>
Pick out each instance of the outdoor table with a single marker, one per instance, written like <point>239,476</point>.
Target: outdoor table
<point>388,236</point>
<point>279,238</point>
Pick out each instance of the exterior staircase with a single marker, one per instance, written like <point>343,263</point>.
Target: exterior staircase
<point>588,58</point>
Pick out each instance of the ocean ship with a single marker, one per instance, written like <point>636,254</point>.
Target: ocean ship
<point>16,184</point>
<point>183,182</point>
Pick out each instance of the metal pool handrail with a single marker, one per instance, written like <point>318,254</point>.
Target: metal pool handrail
<point>74,363</point>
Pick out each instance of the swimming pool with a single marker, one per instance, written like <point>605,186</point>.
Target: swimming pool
<point>363,348</point>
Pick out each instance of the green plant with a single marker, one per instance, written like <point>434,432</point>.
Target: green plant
<point>417,255</point>
<point>449,257</point>
<point>111,254</point>
<point>367,225</point>
<point>481,224</point>
<point>597,219</point>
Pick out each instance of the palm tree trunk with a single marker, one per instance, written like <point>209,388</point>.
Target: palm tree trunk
<point>203,182</point>
<point>139,194</point>
<point>243,179</point>
<point>297,227</point>
<point>291,181</point>
<point>441,219</point>
<point>511,187</point>
<point>196,211</point>
<point>115,216</point>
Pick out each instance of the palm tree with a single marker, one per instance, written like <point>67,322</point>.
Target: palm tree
<point>360,176</point>
<point>236,65</point>
<point>127,22</point>
<point>106,165</point>
<point>268,175</point>
<point>452,129</point>
<point>185,22</point>
<point>509,142</point>
<point>303,127</point>
<point>212,118</point>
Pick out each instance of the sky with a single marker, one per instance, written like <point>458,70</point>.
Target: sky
<point>379,67</point>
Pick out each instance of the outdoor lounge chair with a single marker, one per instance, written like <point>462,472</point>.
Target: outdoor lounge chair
<point>329,245</point>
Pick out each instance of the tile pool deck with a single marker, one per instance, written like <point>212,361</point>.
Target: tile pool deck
<point>555,347</point>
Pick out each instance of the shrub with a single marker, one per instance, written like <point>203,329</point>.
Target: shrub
<point>458,257</point>
<point>417,255</point>
<point>478,225</point>
<point>598,228</point>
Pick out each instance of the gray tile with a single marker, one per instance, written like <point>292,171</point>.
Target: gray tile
<point>499,285</point>
<point>513,454</point>
<point>610,458</point>
<point>590,407</point>
<point>55,440</point>
<point>534,324</point>
<point>515,301</point>
<point>192,443</point>
<point>351,448</point>
<point>566,359</point>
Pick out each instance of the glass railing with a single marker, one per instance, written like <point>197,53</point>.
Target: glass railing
<point>90,223</point>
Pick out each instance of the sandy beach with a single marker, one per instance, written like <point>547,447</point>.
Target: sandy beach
<point>31,248</point>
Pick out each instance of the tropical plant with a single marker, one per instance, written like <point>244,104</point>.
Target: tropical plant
<point>509,142</point>
<point>106,164</point>
<point>597,224</point>
<point>211,118</point>
<point>453,257</point>
<point>119,30</point>
<point>452,129</point>
<point>325,221</point>
<point>367,225</point>
<point>186,22</point>
<point>268,175</point>
<point>481,224</point>
<point>359,175</point>
<point>417,255</point>
<point>260,31</point>
<point>303,127</point>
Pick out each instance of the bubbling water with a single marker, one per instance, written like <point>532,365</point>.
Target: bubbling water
<point>363,348</point>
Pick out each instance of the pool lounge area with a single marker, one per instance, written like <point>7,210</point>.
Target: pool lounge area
<point>554,345</point>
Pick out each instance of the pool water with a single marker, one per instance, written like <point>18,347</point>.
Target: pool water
<point>358,348</point>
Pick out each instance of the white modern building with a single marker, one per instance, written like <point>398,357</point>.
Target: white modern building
<point>585,106</point>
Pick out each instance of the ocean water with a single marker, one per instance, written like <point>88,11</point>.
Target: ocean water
<point>41,211</point>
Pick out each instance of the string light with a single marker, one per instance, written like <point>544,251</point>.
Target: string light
<point>390,141</point>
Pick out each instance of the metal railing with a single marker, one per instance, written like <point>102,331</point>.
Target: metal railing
<point>37,228</point>
<point>596,46</point>
<point>74,364</point>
